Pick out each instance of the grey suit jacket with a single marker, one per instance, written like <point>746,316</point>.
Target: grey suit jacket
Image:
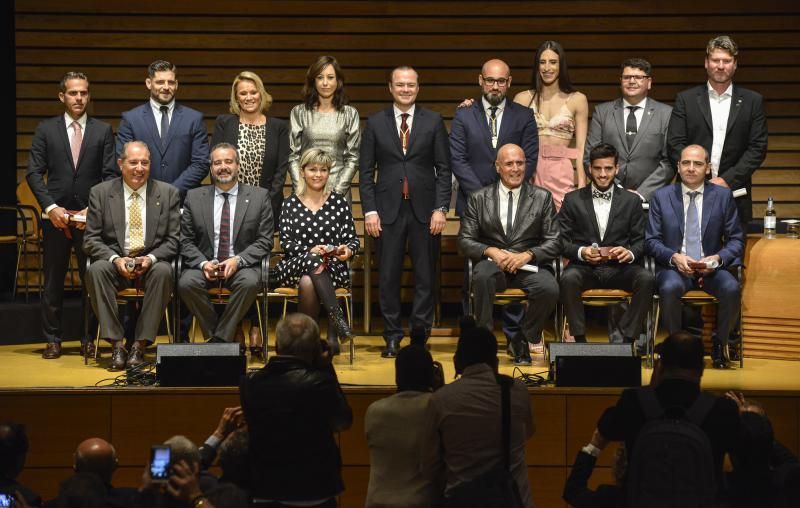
<point>105,221</point>
<point>534,226</point>
<point>645,167</point>
<point>252,225</point>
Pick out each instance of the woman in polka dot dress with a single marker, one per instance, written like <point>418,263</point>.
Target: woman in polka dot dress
<point>318,236</point>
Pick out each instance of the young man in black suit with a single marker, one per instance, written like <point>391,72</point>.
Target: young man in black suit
<point>602,234</point>
<point>408,203</point>
<point>70,153</point>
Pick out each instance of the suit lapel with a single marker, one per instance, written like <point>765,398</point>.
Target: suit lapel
<point>619,121</point>
<point>150,121</point>
<point>417,122</point>
<point>153,208</point>
<point>483,123</point>
<point>116,206</point>
<point>177,116</point>
<point>709,202</point>
<point>493,206</point>
<point>705,107</point>
<point>242,202</point>
<point>676,199</point>
<point>736,105</point>
<point>616,209</point>
<point>207,213</point>
<point>588,205</point>
<point>524,203</point>
<point>391,128</point>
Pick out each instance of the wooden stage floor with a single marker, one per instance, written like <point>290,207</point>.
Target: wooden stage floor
<point>23,367</point>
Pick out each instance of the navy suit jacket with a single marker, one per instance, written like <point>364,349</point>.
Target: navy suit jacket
<point>720,229</point>
<point>471,153</point>
<point>183,161</point>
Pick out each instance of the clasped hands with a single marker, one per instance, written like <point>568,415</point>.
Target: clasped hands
<point>140,266</point>
<point>591,255</point>
<point>223,269</point>
<point>681,262</point>
<point>508,261</point>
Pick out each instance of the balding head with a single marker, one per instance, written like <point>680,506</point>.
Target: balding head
<point>510,165</point>
<point>96,456</point>
<point>495,66</point>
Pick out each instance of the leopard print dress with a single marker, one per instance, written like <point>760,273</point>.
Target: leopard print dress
<point>252,146</point>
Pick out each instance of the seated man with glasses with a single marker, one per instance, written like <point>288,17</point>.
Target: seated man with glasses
<point>694,235</point>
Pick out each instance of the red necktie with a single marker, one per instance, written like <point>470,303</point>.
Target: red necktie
<point>75,145</point>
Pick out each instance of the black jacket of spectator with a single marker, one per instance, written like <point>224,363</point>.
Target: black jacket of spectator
<point>577,492</point>
<point>624,421</point>
<point>292,412</point>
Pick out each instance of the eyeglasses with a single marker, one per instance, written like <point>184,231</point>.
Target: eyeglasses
<point>638,79</point>
<point>493,81</point>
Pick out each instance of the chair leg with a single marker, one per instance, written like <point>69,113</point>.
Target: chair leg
<point>261,327</point>
<point>194,326</point>
<point>285,304</point>
<point>347,303</point>
<point>20,253</point>
<point>169,328</point>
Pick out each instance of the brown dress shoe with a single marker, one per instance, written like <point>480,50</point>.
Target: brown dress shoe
<point>136,356</point>
<point>118,357</point>
<point>52,351</point>
<point>87,349</point>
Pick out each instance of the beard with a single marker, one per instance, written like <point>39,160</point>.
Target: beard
<point>494,98</point>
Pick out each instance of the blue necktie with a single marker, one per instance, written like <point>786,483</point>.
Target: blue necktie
<point>693,238</point>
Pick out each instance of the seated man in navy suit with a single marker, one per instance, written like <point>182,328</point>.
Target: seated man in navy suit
<point>692,223</point>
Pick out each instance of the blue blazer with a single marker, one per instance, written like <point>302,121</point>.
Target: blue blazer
<point>183,161</point>
<point>472,156</point>
<point>721,231</point>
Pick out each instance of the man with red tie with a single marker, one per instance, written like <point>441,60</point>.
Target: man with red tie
<point>70,153</point>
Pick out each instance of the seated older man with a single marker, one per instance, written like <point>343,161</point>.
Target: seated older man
<point>131,234</point>
<point>508,229</point>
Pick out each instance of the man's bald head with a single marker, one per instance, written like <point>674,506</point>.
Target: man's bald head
<point>96,456</point>
<point>496,66</point>
<point>510,165</point>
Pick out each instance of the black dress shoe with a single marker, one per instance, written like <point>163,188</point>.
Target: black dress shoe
<point>136,357</point>
<point>390,351</point>
<point>118,357</point>
<point>87,349</point>
<point>522,353</point>
<point>52,351</point>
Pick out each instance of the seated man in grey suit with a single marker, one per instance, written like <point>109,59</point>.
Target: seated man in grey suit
<point>509,231</point>
<point>132,232</point>
<point>226,230</point>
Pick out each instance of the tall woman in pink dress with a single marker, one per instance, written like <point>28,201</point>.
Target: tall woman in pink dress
<point>562,114</point>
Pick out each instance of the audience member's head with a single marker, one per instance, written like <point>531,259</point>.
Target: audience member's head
<point>298,335</point>
<point>82,490</point>
<point>233,459</point>
<point>680,356</point>
<point>475,345</point>
<point>13,450</point>
<point>97,456</point>
<point>182,448</point>
<point>414,369</point>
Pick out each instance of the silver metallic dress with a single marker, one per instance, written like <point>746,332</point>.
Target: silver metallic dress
<point>336,132</point>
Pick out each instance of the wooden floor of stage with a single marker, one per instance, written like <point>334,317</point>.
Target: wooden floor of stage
<point>23,368</point>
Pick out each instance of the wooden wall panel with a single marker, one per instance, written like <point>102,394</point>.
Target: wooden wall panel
<point>446,41</point>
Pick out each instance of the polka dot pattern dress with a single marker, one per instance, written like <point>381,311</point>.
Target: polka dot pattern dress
<point>301,229</point>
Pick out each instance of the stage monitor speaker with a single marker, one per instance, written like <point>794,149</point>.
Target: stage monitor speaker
<point>591,364</point>
<point>215,364</point>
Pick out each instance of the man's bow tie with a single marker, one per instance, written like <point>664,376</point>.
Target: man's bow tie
<point>602,195</point>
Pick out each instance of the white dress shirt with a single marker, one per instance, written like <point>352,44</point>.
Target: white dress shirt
<point>218,202</point>
<point>498,117</point>
<point>602,211</point>
<point>698,202</point>
<point>639,112</point>
<point>156,107</point>
<point>720,109</point>
<point>502,192</point>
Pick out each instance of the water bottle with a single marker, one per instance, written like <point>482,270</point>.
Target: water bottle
<point>770,219</point>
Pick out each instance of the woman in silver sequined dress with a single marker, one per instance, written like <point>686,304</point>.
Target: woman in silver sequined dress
<point>324,120</point>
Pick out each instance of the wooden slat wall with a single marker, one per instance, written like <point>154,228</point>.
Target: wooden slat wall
<point>446,41</point>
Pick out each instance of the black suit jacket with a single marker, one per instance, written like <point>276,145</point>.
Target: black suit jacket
<point>577,223</point>
<point>252,225</point>
<point>426,164</point>
<point>534,226</point>
<point>276,156</point>
<point>745,139</point>
<point>51,155</point>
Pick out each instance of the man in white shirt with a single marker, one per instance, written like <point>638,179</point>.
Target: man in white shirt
<point>132,229</point>
<point>602,234</point>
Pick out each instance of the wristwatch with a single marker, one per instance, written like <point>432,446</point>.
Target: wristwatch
<point>442,209</point>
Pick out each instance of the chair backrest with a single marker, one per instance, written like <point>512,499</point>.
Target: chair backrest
<point>31,211</point>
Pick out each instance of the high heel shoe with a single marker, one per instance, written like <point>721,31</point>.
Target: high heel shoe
<point>343,330</point>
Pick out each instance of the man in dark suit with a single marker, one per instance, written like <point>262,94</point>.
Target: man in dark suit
<point>476,133</point>
<point>175,134</point>
<point>641,139</point>
<point>408,203</point>
<point>599,216</point>
<point>696,222</point>
<point>132,230</point>
<point>509,231</point>
<point>725,119</point>
<point>73,152</point>
<point>226,230</point>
